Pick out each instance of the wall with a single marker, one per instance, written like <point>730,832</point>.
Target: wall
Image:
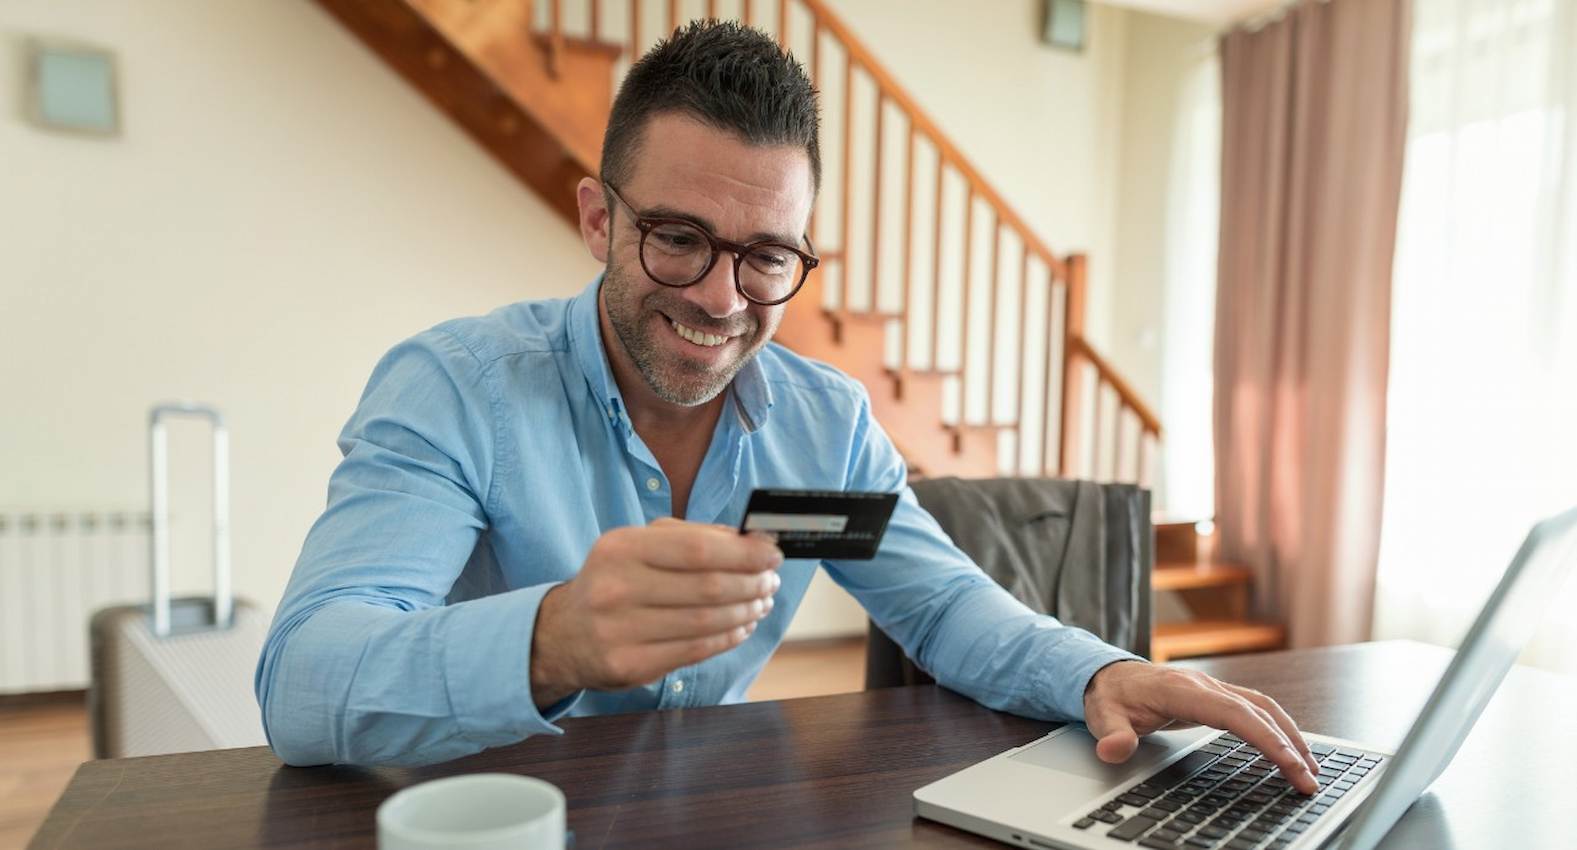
<point>280,210</point>
<point>1163,287</point>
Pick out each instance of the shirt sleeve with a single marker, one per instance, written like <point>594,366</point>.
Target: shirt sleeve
<point>958,624</point>
<point>364,663</point>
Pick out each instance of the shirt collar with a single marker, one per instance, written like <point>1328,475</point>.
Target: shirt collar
<point>751,394</point>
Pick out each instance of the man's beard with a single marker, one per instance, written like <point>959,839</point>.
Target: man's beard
<point>674,379</point>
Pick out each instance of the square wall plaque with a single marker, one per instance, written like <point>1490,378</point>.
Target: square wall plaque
<point>72,87</point>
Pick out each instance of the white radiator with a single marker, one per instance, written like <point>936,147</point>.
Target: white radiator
<point>56,569</point>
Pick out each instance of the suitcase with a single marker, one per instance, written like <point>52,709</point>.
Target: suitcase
<point>175,675</point>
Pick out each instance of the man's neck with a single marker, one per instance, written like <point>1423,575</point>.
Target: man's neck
<point>678,435</point>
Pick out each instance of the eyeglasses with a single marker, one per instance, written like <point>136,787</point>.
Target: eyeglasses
<point>678,253</point>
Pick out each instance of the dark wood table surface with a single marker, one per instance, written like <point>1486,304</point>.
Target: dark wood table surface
<point>833,771</point>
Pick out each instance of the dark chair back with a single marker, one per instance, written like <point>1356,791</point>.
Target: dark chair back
<point>1077,550</point>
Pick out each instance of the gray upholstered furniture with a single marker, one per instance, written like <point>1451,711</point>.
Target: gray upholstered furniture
<point>1078,550</point>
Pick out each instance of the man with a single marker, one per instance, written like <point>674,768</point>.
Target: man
<point>533,518</point>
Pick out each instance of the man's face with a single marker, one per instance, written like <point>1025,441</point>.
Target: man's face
<point>688,343</point>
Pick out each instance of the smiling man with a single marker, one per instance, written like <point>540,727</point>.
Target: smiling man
<point>533,517</point>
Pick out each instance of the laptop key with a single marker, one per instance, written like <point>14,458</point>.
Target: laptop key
<point>1166,804</point>
<point>1084,823</point>
<point>1201,841</point>
<point>1156,813</point>
<point>1241,844</point>
<point>1157,843</point>
<point>1131,828</point>
<point>1106,817</point>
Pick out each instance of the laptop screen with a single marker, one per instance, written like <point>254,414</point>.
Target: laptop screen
<point>1536,575</point>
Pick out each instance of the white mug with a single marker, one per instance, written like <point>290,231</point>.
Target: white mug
<point>480,811</point>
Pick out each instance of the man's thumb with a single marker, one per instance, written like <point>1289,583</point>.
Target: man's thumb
<point>1115,738</point>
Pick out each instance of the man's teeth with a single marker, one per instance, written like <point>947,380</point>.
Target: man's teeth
<point>697,337</point>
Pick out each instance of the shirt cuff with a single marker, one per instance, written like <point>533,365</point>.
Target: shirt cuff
<point>1085,657</point>
<point>487,658</point>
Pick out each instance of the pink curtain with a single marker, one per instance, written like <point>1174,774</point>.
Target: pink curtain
<point>1315,118</point>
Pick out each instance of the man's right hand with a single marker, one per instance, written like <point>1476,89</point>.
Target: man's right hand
<point>648,601</point>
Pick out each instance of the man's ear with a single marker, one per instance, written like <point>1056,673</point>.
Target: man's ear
<point>594,219</point>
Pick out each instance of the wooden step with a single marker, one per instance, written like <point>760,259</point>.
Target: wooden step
<point>1194,576</point>
<point>1213,637</point>
<point>1182,542</point>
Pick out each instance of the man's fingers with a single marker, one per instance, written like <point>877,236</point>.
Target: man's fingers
<point>656,625</point>
<point>1226,710</point>
<point>1288,727</point>
<point>648,662</point>
<point>1115,738</point>
<point>693,546</point>
<point>659,588</point>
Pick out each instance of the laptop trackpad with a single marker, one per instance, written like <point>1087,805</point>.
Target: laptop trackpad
<point>1073,751</point>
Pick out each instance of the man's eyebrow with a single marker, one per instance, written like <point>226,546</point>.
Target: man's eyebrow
<point>701,222</point>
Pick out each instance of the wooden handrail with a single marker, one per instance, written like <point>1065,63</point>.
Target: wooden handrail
<point>1125,391</point>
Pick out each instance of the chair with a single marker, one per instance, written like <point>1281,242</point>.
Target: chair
<point>1080,551</point>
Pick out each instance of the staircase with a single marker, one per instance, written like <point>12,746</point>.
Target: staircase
<point>968,331</point>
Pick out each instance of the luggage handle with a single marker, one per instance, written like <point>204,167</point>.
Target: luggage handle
<point>159,494</point>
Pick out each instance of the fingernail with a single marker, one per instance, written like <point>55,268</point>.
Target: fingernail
<point>768,603</point>
<point>777,582</point>
<point>774,559</point>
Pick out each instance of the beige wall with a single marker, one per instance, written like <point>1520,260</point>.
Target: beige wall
<point>280,210</point>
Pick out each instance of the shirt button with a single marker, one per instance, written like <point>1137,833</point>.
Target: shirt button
<point>678,686</point>
<point>652,484</point>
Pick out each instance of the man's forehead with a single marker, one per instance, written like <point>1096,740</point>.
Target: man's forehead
<point>687,166</point>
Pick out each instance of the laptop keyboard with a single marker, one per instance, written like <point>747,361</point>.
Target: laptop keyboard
<point>1225,794</point>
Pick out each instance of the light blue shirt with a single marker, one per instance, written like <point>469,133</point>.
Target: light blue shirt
<point>486,456</point>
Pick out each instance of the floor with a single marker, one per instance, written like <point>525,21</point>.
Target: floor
<point>43,741</point>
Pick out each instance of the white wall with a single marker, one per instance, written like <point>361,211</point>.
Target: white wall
<point>279,211</point>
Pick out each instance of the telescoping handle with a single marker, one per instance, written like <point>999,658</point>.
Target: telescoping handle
<point>159,496</point>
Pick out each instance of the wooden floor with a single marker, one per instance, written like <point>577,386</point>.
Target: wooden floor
<point>42,743</point>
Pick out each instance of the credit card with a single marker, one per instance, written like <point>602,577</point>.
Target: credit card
<point>833,524</point>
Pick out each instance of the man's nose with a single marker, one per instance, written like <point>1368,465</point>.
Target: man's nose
<point>717,293</point>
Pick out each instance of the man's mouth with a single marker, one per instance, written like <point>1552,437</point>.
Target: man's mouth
<point>696,337</point>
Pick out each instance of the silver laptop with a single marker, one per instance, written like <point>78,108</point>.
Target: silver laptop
<point>1201,788</point>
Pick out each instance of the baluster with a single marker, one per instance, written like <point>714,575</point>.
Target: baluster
<point>969,299</point>
<point>635,30</point>
<point>908,248</point>
<point>1023,346</point>
<point>876,205</point>
<point>1072,375</point>
<point>711,9</point>
<point>1095,429</point>
<point>936,265</point>
<point>848,174</point>
<point>991,321</point>
<point>783,39</point>
<point>1046,467</point>
<point>673,15</point>
<point>744,11</point>
<point>596,20</point>
<point>1117,441</point>
<point>555,36</point>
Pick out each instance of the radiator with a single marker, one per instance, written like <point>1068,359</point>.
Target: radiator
<point>56,569</point>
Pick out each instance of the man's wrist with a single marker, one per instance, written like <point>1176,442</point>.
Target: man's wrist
<point>549,683</point>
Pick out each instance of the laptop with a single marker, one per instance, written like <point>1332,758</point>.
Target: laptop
<point>1203,788</point>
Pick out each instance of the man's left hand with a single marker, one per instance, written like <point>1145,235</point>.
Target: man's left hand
<point>1132,698</point>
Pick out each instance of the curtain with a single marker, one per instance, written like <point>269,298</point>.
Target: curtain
<point>1482,438</point>
<point>1314,127</point>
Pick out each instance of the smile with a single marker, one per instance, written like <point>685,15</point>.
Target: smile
<point>694,336</point>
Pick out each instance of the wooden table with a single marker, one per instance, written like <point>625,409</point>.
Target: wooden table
<point>832,771</point>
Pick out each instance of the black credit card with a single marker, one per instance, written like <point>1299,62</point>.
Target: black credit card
<point>832,524</point>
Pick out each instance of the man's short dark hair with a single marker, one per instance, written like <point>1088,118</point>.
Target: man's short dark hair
<point>725,75</point>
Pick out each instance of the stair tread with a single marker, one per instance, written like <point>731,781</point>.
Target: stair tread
<point>1211,637</point>
<point>1188,576</point>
